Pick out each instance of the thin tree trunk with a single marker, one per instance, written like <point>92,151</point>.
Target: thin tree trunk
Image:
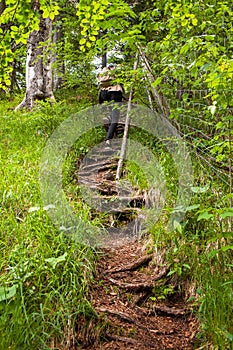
<point>161,101</point>
<point>38,66</point>
<point>104,60</point>
<point>2,6</point>
<point>230,171</point>
<point>126,129</point>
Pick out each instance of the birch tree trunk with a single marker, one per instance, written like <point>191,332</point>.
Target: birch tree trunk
<point>38,66</point>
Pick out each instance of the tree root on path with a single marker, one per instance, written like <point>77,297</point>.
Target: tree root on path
<point>123,316</point>
<point>122,339</point>
<point>143,260</point>
<point>136,287</point>
<point>165,310</point>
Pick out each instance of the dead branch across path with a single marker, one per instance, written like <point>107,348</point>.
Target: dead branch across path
<point>137,287</point>
<point>143,260</point>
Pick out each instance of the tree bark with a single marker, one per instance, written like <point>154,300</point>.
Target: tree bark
<point>38,66</point>
<point>2,6</point>
<point>127,122</point>
<point>59,66</point>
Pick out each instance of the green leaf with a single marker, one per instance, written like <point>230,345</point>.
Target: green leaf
<point>82,41</point>
<point>226,214</point>
<point>14,28</point>
<point>226,248</point>
<point>7,292</point>
<point>54,261</point>
<point>157,81</point>
<point>205,216</point>
<point>200,189</point>
<point>45,13</point>
<point>194,21</point>
<point>192,207</point>
<point>229,336</point>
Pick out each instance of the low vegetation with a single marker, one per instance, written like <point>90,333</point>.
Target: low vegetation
<point>45,276</point>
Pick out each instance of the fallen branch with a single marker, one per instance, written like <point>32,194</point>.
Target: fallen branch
<point>143,260</point>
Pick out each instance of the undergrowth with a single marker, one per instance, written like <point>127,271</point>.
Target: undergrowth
<point>45,275</point>
<point>199,254</point>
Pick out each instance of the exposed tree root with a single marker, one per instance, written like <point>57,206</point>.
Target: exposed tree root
<point>121,339</point>
<point>142,286</point>
<point>138,298</point>
<point>123,316</point>
<point>165,310</point>
<point>143,260</point>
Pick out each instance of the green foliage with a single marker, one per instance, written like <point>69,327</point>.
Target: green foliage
<point>110,17</point>
<point>17,21</point>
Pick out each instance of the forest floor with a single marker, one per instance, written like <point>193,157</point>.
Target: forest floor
<point>128,315</point>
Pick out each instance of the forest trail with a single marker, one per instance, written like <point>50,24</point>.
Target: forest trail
<point>129,315</point>
<point>131,282</point>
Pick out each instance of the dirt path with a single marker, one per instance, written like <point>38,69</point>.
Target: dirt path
<point>129,317</point>
<point>130,284</point>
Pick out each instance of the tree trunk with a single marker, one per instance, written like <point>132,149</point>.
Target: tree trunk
<point>38,66</point>
<point>58,64</point>
<point>2,6</point>
<point>104,60</point>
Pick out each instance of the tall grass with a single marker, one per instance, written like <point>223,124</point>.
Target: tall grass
<point>44,274</point>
